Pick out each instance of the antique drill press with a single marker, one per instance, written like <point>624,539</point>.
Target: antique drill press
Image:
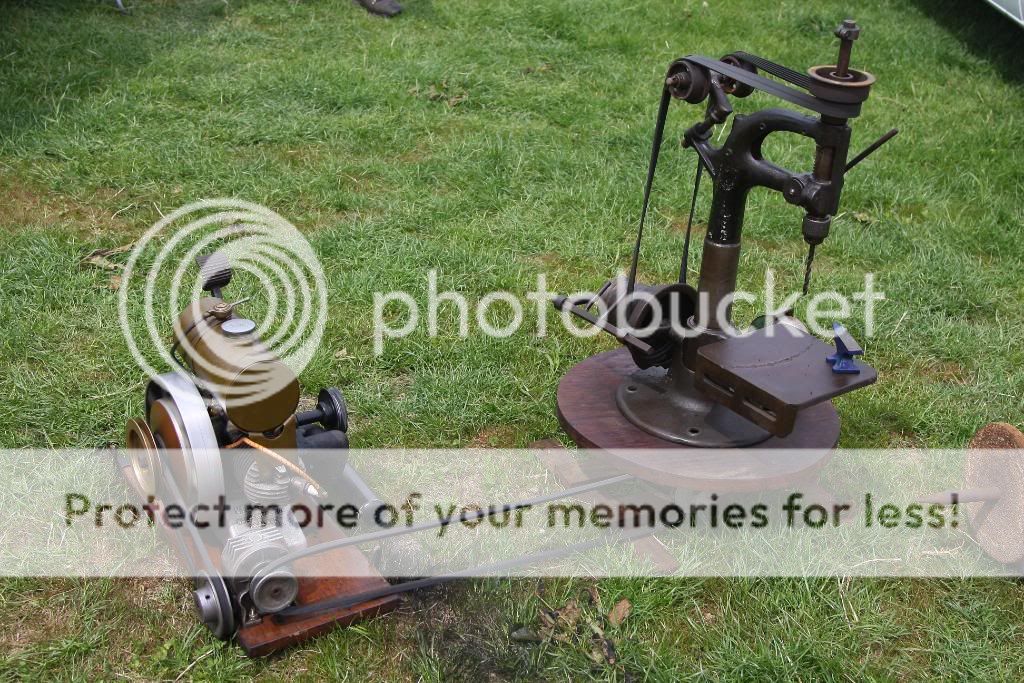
<point>685,377</point>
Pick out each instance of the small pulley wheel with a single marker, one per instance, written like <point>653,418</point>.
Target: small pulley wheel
<point>272,592</point>
<point>688,82</point>
<point>851,88</point>
<point>214,605</point>
<point>142,453</point>
<point>732,87</point>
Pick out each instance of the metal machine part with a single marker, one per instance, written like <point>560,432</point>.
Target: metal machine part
<point>245,555</point>
<point>752,376</point>
<point>213,604</point>
<point>141,445</point>
<point>258,391</point>
<point>267,485</point>
<point>180,426</point>
<point>670,397</point>
<point>234,400</point>
<point>250,574</point>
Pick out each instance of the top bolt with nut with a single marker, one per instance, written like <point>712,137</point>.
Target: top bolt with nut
<point>847,32</point>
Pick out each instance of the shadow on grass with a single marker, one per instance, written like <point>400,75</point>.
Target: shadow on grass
<point>54,53</point>
<point>985,31</point>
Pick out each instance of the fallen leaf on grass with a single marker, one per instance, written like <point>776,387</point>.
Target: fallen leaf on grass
<point>603,651</point>
<point>99,258</point>
<point>620,612</point>
<point>560,624</point>
<point>569,615</point>
<point>524,634</point>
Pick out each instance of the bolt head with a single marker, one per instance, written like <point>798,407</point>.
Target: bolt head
<point>793,190</point>
<point>848,30</point>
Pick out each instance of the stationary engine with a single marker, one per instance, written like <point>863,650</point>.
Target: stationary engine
<point>223,434</point>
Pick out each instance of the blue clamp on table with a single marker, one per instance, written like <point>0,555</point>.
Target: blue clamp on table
<point>846,348</point>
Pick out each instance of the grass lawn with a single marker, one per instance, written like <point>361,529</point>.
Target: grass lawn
<point>492,141</point>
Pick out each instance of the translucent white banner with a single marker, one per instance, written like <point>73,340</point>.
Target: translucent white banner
<point>487,512</point>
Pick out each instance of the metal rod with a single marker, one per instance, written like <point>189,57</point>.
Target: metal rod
<point>807,267</point>
<point>427,582</point>
<point>467,516</point>
<point>975,495</point>
<point>562,304</point>
<point>871,148</point>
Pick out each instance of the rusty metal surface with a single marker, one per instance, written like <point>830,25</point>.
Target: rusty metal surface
<point>588,412</point>
<point>771,374</point>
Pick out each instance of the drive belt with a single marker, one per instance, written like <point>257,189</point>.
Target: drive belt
<point>783,92</point>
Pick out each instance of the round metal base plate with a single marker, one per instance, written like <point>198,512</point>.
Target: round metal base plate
<point>589,412</point>
<point>649,400</point>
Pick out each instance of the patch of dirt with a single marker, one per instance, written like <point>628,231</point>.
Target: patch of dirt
<point>400,385</point>
<point>498,436</point>
<point>901,438</point>
<point>32,626</point>
<point>306,402</point>
<point>23,203</point>
<point>151,592</point>
<point>547,259</point>
<point>698,227</point>
<point>948,372</point>
<point>708,615</point>
<point>457,637</point>
<point>440,92</point>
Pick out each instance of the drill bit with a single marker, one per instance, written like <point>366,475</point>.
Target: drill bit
<point>807,268</point>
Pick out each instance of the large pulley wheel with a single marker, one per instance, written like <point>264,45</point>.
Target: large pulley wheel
<point>143,455</point>
<point>993,463</point>
<point>182,432</point>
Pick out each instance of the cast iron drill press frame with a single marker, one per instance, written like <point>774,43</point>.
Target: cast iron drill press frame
<point>681,405</point>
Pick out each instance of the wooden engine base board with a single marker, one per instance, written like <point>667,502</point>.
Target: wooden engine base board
<point>354,575</point>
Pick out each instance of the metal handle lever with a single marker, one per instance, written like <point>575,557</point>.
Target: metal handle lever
<point>870,149</point>
<point>563,303</point>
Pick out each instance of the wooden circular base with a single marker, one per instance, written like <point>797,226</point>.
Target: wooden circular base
<point>588,412</point>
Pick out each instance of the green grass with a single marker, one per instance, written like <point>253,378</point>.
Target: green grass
<point>492,141</point>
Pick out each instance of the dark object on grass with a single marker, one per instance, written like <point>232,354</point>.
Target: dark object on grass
<point>993,493</point>
<point>382,8</point>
